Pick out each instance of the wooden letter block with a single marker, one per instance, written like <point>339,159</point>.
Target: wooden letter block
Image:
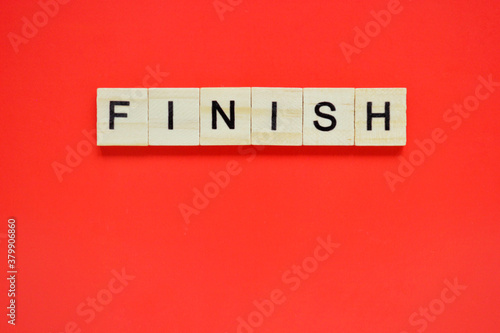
<point>380,115</point>
<point>328,117</point>
<point>225,116</point>
<point>277,116</point>
<point>122,117</point>
<point>174,116</point>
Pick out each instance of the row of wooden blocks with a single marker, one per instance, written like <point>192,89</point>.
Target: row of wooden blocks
<point>257,116</point>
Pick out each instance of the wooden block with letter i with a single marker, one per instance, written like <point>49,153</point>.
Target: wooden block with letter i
<point>380,117</point>
<point>122,117</point>
<point>174,116</point>
<point>277,116</point>
<point>225,116</point>
<point>328,117</point>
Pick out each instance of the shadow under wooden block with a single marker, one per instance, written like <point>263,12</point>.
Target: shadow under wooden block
<point>174,116</point>
<point>277,116</point>
<point>122,117</point>
<point>225,116</point>
<point>380,117</point>
<point>328,117</point>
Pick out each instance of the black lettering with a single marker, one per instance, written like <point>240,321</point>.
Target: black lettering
<point>170,115</point>
<point>274,116</point>
<point>326,116</point>
<point>386,115</point>
<point>113,115</point>
<point>230,122</point>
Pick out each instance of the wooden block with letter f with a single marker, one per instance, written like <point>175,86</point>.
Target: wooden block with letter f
<point>380,117</point>
<point>122,117</point>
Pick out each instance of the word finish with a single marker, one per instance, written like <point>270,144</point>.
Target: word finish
<point>251,116</point>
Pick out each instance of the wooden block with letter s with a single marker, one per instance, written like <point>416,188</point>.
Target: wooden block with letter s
<point>328,117</point>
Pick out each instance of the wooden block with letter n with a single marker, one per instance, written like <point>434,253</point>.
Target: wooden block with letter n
<point>328,117</point>
<point>225,116</point>
<point>380,117</point>
<point>277,116</point>
<point>174,116</point>
<point>122,117</point>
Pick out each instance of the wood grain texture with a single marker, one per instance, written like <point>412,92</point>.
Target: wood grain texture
<point>184,105</point>
<point>333,102</point>
<point>380,99</point>
<point>288,118</point>
<point>131,130</point>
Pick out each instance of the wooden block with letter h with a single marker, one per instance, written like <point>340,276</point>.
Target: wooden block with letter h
<point>380,117</point>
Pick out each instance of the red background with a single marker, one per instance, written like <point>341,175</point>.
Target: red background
<point>119,207</point>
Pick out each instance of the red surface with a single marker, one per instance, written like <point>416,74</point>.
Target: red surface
<point>119,207</point>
